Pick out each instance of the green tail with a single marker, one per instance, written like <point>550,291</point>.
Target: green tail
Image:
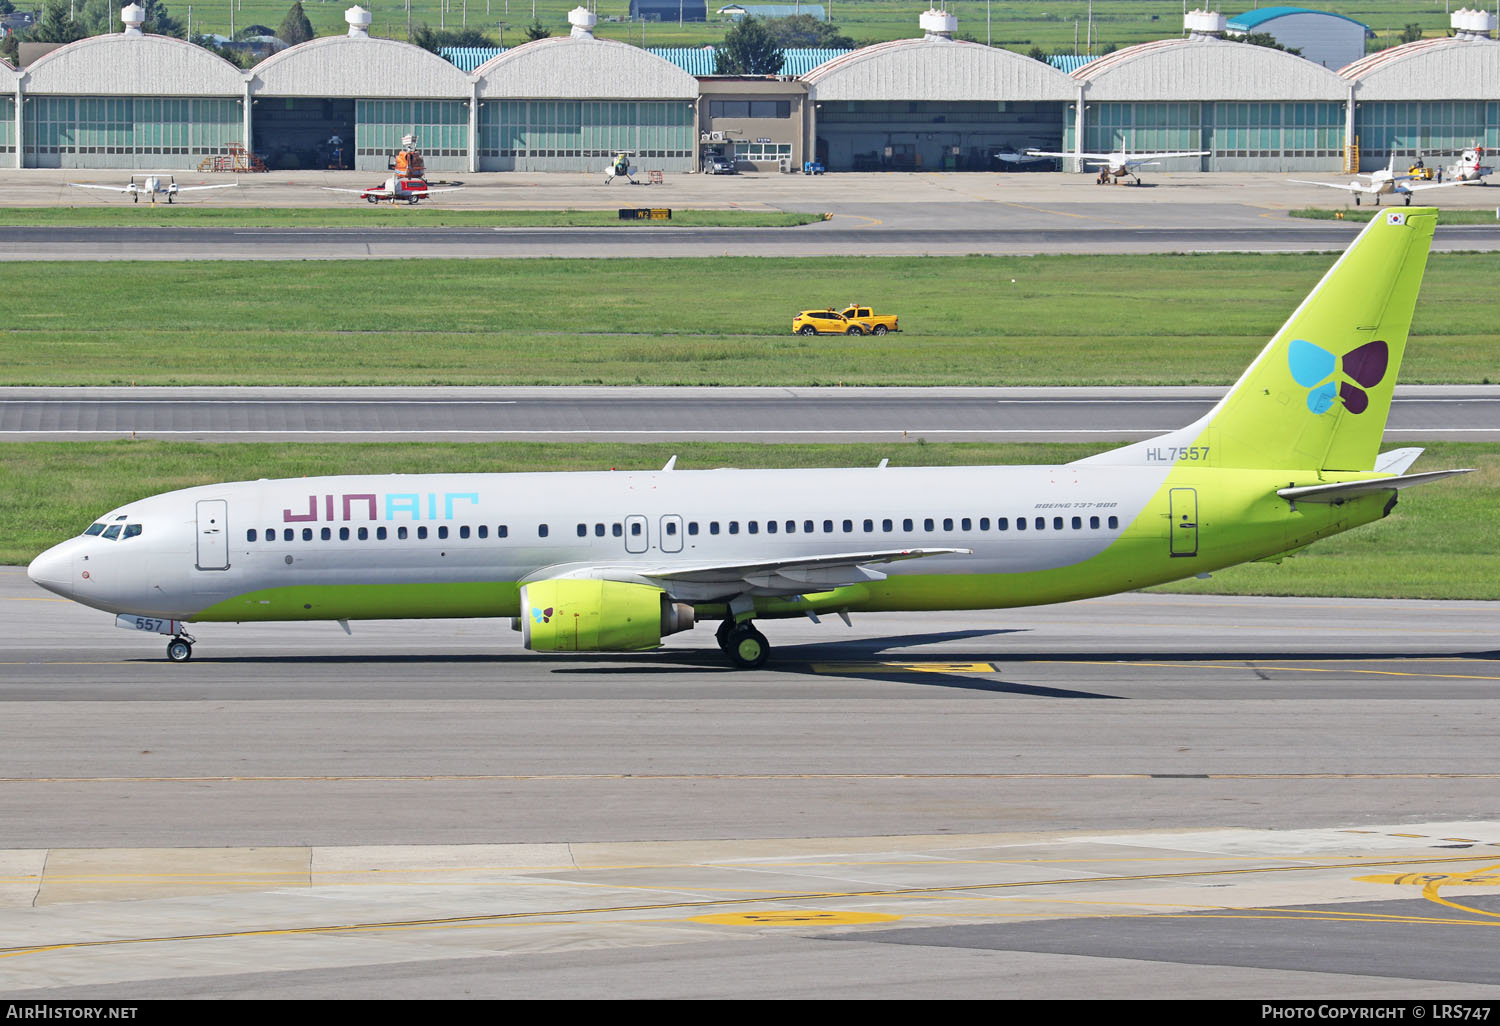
<point>1317,397</point>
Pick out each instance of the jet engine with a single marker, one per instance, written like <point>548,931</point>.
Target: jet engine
<point>598,616</point>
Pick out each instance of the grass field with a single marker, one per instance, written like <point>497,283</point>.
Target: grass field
<point>1365,214</point>
<point>1046,320</point>
<point>1019,25</point>
<point>378,216</point>
<point>1439,542</point>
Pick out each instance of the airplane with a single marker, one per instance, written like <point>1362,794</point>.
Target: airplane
<point>1470,166</point>
<point>396,189</point>
<point>1385,182</point>
<point>152,185</point>
<point>1010,156</point>
<point>615,560</point>
<point>620,167</point>
<point>1119,164</point>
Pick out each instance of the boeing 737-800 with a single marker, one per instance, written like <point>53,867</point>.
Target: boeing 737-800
<point>612,561</point>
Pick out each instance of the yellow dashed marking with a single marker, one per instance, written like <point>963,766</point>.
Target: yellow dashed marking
<point>794,917</point>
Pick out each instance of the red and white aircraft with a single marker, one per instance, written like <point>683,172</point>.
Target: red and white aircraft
<point>396,189</point>
<point>1470,166</point>
<point>151,185</point>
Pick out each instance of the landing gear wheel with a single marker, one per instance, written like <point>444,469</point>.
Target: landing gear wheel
<point>179,651</point>
<point>748,647</point>
<point>1408,201</point>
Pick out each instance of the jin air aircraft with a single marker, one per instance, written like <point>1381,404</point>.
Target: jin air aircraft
<point>613,561</point>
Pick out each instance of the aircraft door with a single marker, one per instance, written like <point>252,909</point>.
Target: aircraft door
<point>213,534</point>
<point>669,533</point>
<point>1183,504</point>
<point>637,534</point>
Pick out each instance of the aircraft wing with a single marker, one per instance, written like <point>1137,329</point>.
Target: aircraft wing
<point>1044,153</point>
<point>1140,158</point>
<point>357,192</point>
<point>1346,187</point>
<point>106,188</point>
<point>1404,187</point>
<point>793,575</point>
<point>195,188</point>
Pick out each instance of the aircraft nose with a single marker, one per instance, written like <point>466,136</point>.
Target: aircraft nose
<point>53,570</point>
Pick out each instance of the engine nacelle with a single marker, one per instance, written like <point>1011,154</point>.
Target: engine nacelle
<point>598,616</point>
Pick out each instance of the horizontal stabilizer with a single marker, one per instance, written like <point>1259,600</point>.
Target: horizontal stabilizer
<point>1342,490</point>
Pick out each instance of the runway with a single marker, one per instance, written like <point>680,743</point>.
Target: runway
<point>1140,796</point>
<point>1457,413</point>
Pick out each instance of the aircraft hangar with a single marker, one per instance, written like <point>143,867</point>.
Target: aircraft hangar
<point>136,101</point>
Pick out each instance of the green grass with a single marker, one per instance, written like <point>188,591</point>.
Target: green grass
<point>1017,25</point>
<point>1437,544</point>
<point>1363,215</point>
<point>365,215</point>
<point>1076,319</point>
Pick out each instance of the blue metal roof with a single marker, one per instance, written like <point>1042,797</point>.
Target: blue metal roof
<point>1250,20</point>
<point>1068,63</point>
<point>467,58</point>
<point>775,10</point>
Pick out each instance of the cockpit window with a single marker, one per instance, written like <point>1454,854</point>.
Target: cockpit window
<point>94,529</point>
<point>112,531</point>
<point>131,530</point>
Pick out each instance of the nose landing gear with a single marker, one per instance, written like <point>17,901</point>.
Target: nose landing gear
<point>180,648</point>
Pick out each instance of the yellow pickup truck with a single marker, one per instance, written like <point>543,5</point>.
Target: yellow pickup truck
<point>872,322</point>
<point>854,320</point>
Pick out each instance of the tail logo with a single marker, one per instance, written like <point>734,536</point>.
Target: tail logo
<point>1328,377</point>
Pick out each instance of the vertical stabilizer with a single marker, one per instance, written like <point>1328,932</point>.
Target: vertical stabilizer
<point>1318,395</point>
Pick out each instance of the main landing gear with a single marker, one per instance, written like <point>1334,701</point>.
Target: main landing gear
<point>745,646</point>
<point>180,648</point>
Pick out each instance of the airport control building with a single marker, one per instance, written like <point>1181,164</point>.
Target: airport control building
<point>933,102</point>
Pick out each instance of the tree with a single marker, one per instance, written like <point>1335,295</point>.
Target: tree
<point>804,31</point>
<point>536,30</point>
<point>429,38</point>
<point>295,28</point>
<point>1411,33</point>
<point>748,49</point>
<point>1268,41</point>
<point>236,57</point>
<point>56,25</point>
<point>1036,53</point>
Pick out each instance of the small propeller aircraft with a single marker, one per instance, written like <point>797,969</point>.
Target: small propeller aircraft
<point>396,189</point>
<point>1114,166</point>
<point>152,186</point>
<point>1387,181</point>
<point>621,168</point>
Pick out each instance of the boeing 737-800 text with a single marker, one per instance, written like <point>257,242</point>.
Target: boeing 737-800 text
<point>612,561</point>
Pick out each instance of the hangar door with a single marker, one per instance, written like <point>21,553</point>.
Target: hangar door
<point>924,135</point>
<point>296,134</point>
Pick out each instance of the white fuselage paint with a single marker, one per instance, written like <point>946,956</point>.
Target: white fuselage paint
<point>171,569</point>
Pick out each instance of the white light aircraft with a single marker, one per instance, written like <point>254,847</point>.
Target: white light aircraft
<point>152,186</point>
<point>1385,182</point>
<point>613,561</point>
<point>396,189</point>
<point>1117,165</point>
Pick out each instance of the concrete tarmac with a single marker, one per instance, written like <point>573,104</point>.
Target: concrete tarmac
<point>1139,796</point>
<point>937,213</point>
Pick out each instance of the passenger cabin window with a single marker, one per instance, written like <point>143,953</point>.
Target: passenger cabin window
<point>327,533</point>
<point>502,531</point>
<point>307,534</point>
<point>380,534</point>
<point>463,532</point>
<point>484,530</point>
<point>343,534</point>
<point>421,534</point>
<point>250,534</point>
<point>541,531</point>
<point>1114,522</point>
<point>400,533</point>
<point>443,532</point>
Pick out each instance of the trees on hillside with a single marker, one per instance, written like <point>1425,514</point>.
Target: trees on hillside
<point>295,28</point>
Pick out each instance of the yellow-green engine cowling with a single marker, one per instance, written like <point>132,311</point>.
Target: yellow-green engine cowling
<point>598,616</point>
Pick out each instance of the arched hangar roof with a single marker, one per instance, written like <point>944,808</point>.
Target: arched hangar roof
<point>937,69</point>
<point>1429,69</point>
<point>359,66</point>
<point>583,68</point>
<point>1256,20</point>
<point>120,65</point>
<point>1208,69</point>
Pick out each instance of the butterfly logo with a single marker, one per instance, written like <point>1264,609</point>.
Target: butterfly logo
<point>1328,377</point>
<point>541,615</point>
